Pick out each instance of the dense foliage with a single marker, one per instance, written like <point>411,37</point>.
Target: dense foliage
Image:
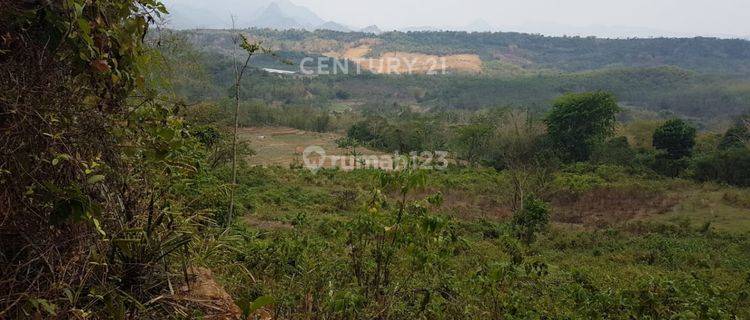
<point>94,221</point>
<point>535,52</point>
<point>676,138</point>
<point>665,90</point>
<point>577,122</point>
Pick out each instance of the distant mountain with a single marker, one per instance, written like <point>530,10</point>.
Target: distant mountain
<point>330,25</point>
<point>371,29</point>
<point>620,32</point>
<point>284,10</point>
<point>275,18</point>
<point>279,14</point>
<point>284,15</point>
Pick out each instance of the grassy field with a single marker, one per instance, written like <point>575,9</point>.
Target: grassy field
<point>721,208</point>
<point>279,146</point>
<point>331,244</point>
<point>677,202</point>
<point>631,248</point>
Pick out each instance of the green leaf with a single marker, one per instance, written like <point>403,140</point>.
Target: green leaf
<point>45,305</point>
<point>95,179</point>
<point>248,308</point>
<point>59,157</point>
<point>261,302</point>
<point>84,25</point>
<point>78,9</point>
<point>98,227</point>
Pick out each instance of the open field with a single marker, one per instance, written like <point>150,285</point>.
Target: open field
<point>614,243</point>
<point>677,202</point>
<point>720,208</point>
<point>280,146</point>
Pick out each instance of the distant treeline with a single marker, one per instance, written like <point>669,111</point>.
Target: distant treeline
<point>534,52</point>
<point>668,90</point>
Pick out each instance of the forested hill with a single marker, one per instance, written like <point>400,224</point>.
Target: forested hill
<point>577,54</point>
<point>527,51</point>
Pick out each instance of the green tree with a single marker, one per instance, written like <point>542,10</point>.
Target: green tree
<point>578,121</point>
<point>516,148</point>
<point>360,131</point>
<point>675,137</point>
<point>471,140</point>
<point>532,219</point>
<point>614,151</point>
<point>736,136</point>
<point>731,166</point>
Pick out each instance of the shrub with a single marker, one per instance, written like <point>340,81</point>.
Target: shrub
<point>613,151</point>
<point>532,218</point>
<point>575,184</point>
<point>728,166</point>
<point>735,137</point>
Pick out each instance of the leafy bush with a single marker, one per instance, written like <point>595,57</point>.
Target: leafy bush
<point>615,151</point>
<point>575,184</point>
<point>730,166</point>
<point>531,219</point>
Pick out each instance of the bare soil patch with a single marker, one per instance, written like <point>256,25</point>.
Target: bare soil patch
<point>607,206</point>
<point>204,292</point>
<point>408,62</point>
<point>282,146</point>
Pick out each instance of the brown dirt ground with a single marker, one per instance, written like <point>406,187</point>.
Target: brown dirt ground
<point>597,208</point>
<point>405,62</point>
<point>607,206</point>
<point>280,146</point>
<point>203,291</point>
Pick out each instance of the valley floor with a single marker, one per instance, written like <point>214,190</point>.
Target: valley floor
<point>620,246</point>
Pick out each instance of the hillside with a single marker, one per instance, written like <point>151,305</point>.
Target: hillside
<point>526,51</point>
<point>202,175</point>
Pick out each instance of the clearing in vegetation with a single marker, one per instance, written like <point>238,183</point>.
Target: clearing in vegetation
<point>396,62</point>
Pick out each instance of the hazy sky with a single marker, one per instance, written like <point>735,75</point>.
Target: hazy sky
<point>672,17</point>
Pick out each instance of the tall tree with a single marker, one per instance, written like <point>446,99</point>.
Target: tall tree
<point>676,137</point>
<point>471,141</point>
<point>578,121</point>
<point>737,136</point>
<point>516,142</point>
<point>240,41</point>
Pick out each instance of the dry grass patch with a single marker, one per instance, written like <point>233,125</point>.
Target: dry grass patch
<point>281,146</point>
<point>607,206</point>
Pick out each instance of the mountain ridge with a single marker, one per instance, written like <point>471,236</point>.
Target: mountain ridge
<point>286,15</point>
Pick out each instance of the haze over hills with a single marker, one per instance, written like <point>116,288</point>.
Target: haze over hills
<point>285,15</point>
<point>278,14</point>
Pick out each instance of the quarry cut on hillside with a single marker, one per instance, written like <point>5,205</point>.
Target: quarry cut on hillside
<point>407,62</point>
